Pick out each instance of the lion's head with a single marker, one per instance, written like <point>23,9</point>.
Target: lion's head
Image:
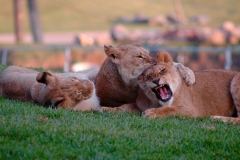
<point>131,59</point>
<point>63,92</point>
<point>162,79</point>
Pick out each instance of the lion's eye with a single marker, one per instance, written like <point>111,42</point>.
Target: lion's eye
<point>149,76</point>
<point>140,57</point>
<point>161,71</point>
<point>74,79</point>
<point>57,103</point>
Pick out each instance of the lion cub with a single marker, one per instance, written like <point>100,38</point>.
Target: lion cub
<point>47,89</point>
<point>164,92</point>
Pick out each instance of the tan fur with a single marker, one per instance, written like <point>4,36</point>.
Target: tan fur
<point>116,82</point>
<point>47,89</point>
<point>215,92</point>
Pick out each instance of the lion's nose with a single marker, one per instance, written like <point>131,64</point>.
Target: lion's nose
<point>156,81</point>
<point>153,61</point>
<point>150,61</point>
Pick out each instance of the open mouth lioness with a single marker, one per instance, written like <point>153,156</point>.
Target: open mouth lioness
<point>164,93</point>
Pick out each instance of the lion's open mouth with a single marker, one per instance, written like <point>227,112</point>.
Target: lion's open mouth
<point>163,92</point>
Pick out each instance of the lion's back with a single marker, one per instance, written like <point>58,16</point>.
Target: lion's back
<point>212,89</point>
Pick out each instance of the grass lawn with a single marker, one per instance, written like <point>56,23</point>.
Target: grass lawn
<point>28,131</point>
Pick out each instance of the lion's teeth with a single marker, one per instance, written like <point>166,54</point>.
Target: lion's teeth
<point>161,85</point>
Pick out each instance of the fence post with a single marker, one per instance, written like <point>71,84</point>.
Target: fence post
<point>35,22</point>
<point>67,60</point>
<point>4,56</point>
<point>228,58</point>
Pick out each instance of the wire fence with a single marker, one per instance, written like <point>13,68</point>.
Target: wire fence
<point>66,49</point>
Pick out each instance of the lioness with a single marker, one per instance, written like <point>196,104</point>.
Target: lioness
<point>214,93</point>
<point>46,89</point>
<point>116,82</point>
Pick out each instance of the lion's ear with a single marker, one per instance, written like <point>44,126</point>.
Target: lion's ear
<point>44,77</point>
<point>164,57</point>
<point>114,54</point>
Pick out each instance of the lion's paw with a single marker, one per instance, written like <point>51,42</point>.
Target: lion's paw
<point>151,113</point>
<point>187,73</point>
<point>107,109</point>
<point>189,77</point>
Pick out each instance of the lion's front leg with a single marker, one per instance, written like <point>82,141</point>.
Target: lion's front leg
<point>227,119</point>
<point>130,107</point>
<point>166,111</point>
<point>186,73</point>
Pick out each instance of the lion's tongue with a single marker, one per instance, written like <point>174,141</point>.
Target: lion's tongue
<point>163,92</point>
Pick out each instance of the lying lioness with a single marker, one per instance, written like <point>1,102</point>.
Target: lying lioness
<point>116,81</point>
<point>46,89</point>
<point>164,93</point>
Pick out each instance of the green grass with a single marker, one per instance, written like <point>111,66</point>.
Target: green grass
<point>80,15</point>
<point>29,131</point>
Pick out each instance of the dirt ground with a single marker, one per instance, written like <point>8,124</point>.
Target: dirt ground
<point>53,37</point>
